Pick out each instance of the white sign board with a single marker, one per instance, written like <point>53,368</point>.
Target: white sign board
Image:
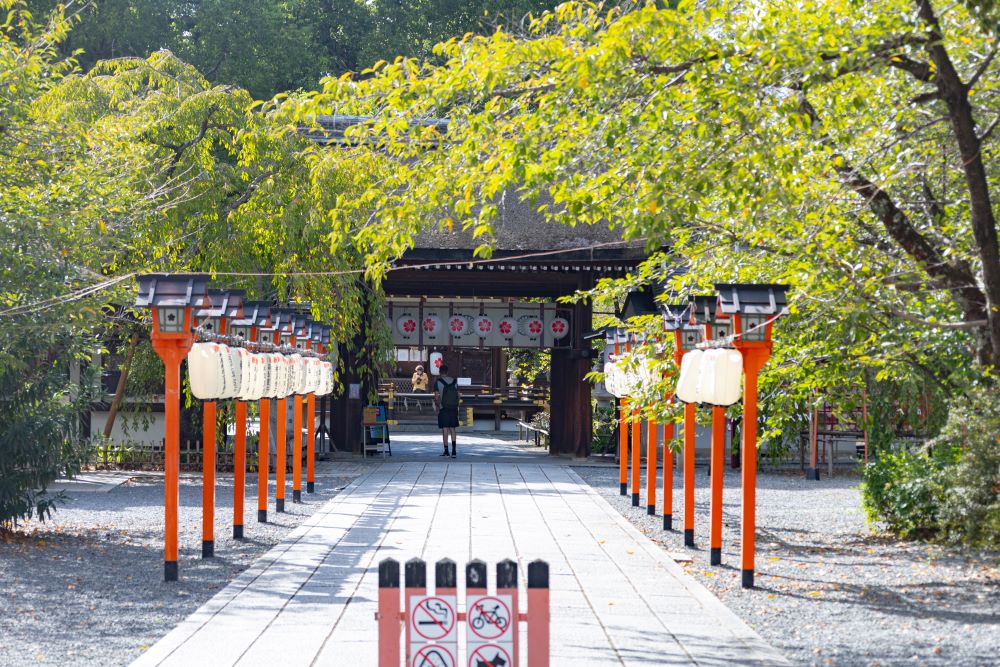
<point>435,655</point>
<point>491,655</point>
<point>489,630</point>
<point>433,621</point>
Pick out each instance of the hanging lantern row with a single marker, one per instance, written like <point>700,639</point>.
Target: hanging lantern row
<point>233,366</point>
<point>711,327</point>
<point>220,371</point>
<point>226,363</point>
<point>483,325</point>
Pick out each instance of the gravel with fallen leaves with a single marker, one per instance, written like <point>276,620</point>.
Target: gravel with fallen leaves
<point>86,587</point>
<point>829,590</point>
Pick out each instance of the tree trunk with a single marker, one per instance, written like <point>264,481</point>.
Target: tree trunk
<point>119,391</point>
<point>955,94</point>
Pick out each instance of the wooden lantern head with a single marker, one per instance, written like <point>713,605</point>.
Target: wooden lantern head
<point>753,308</point>
<point>170,297</point>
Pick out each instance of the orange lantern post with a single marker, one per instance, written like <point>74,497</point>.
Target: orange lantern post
<point>244,330</point>
<point>265,336</point>
<point>705,311</point>
<point>212,319</point>
<point>651,438</point>
<point>623,420</point>
<point>315,343</point>
<point>283,320</point>
<point>677,318</point>
<point>301,342</point>
<point>636,455</point>
<point>754,308</point>
<point>170,297</point>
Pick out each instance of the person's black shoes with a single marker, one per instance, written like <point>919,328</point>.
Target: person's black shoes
<point>454,453</point>
<point>445,453</point>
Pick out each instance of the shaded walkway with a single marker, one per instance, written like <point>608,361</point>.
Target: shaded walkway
<point>617,598</point>
<point>426,447</point>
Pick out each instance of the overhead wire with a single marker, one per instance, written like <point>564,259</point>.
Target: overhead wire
<point>55,301</point>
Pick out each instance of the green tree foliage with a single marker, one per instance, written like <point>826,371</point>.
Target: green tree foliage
<point>40,256</point>
<point>829,150</point>
<point>271,46</point>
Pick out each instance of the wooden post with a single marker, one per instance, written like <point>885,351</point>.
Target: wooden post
<point>311,443</point>
<point>753,360</point>
<point>538,613</point>
<point>388,613</point>
<point>263,456</point>
<point>623,420</point>
<point>239,468</point>
<point>208,480</point>
<point>507,585</point>
<point>281,454</point>
<point>812,472</point>
<point>636,455</point>
<point>668,475</point>
<point>172,350</point>
<point>297,449</point>
<point>689,460</point>
<point>718,466</point>
<point>651,438</point>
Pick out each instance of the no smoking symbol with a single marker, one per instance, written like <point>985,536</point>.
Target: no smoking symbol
<point>489,618</point>
<point>433,619</point>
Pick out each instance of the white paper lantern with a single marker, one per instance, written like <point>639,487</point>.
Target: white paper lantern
<point>559,328</point>
<point>436,362</point>
<point>249,372</point>
<point>687,379</point>
<point>483,326</point>
<point>612,380</point>
<point>460,325</point>
<point>314,373</point>
<point>407,325</point>
<point>507,327</point>
<point>530,325</point>
<point>326,380</point>
<point>275,374</point>
<point>431,325</point>
<point>237,354</point>
<point>720,377</point>
<point>205,371</point>
<point>262,376</point>
<point>297,366</point>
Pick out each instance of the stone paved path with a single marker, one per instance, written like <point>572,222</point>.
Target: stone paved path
<point>617,599</point>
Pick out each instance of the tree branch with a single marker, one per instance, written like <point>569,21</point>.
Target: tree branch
<point>974,324</point>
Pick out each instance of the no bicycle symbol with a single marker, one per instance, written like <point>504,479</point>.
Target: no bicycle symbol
<point>433,618</point>
<point>489,618</point>
<point>490,655</point>
<point>434,655</point>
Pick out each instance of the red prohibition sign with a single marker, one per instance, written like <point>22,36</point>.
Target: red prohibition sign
<point>434,655</point>
<point>435,616</point>
<point>490,655</point>
<point>489,618</point>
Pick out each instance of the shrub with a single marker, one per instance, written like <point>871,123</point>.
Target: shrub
<point>970,511</point>
<point>948,489</point>
<point>38,443</point>
<point>902,489</point>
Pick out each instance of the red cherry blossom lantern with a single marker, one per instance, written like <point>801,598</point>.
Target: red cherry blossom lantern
<point>507,327</point>
<point>559,328</point>
<point>483,326</point>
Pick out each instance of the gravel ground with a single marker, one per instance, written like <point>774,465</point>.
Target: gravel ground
<point>830,591</point>
<point>86,587</point>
